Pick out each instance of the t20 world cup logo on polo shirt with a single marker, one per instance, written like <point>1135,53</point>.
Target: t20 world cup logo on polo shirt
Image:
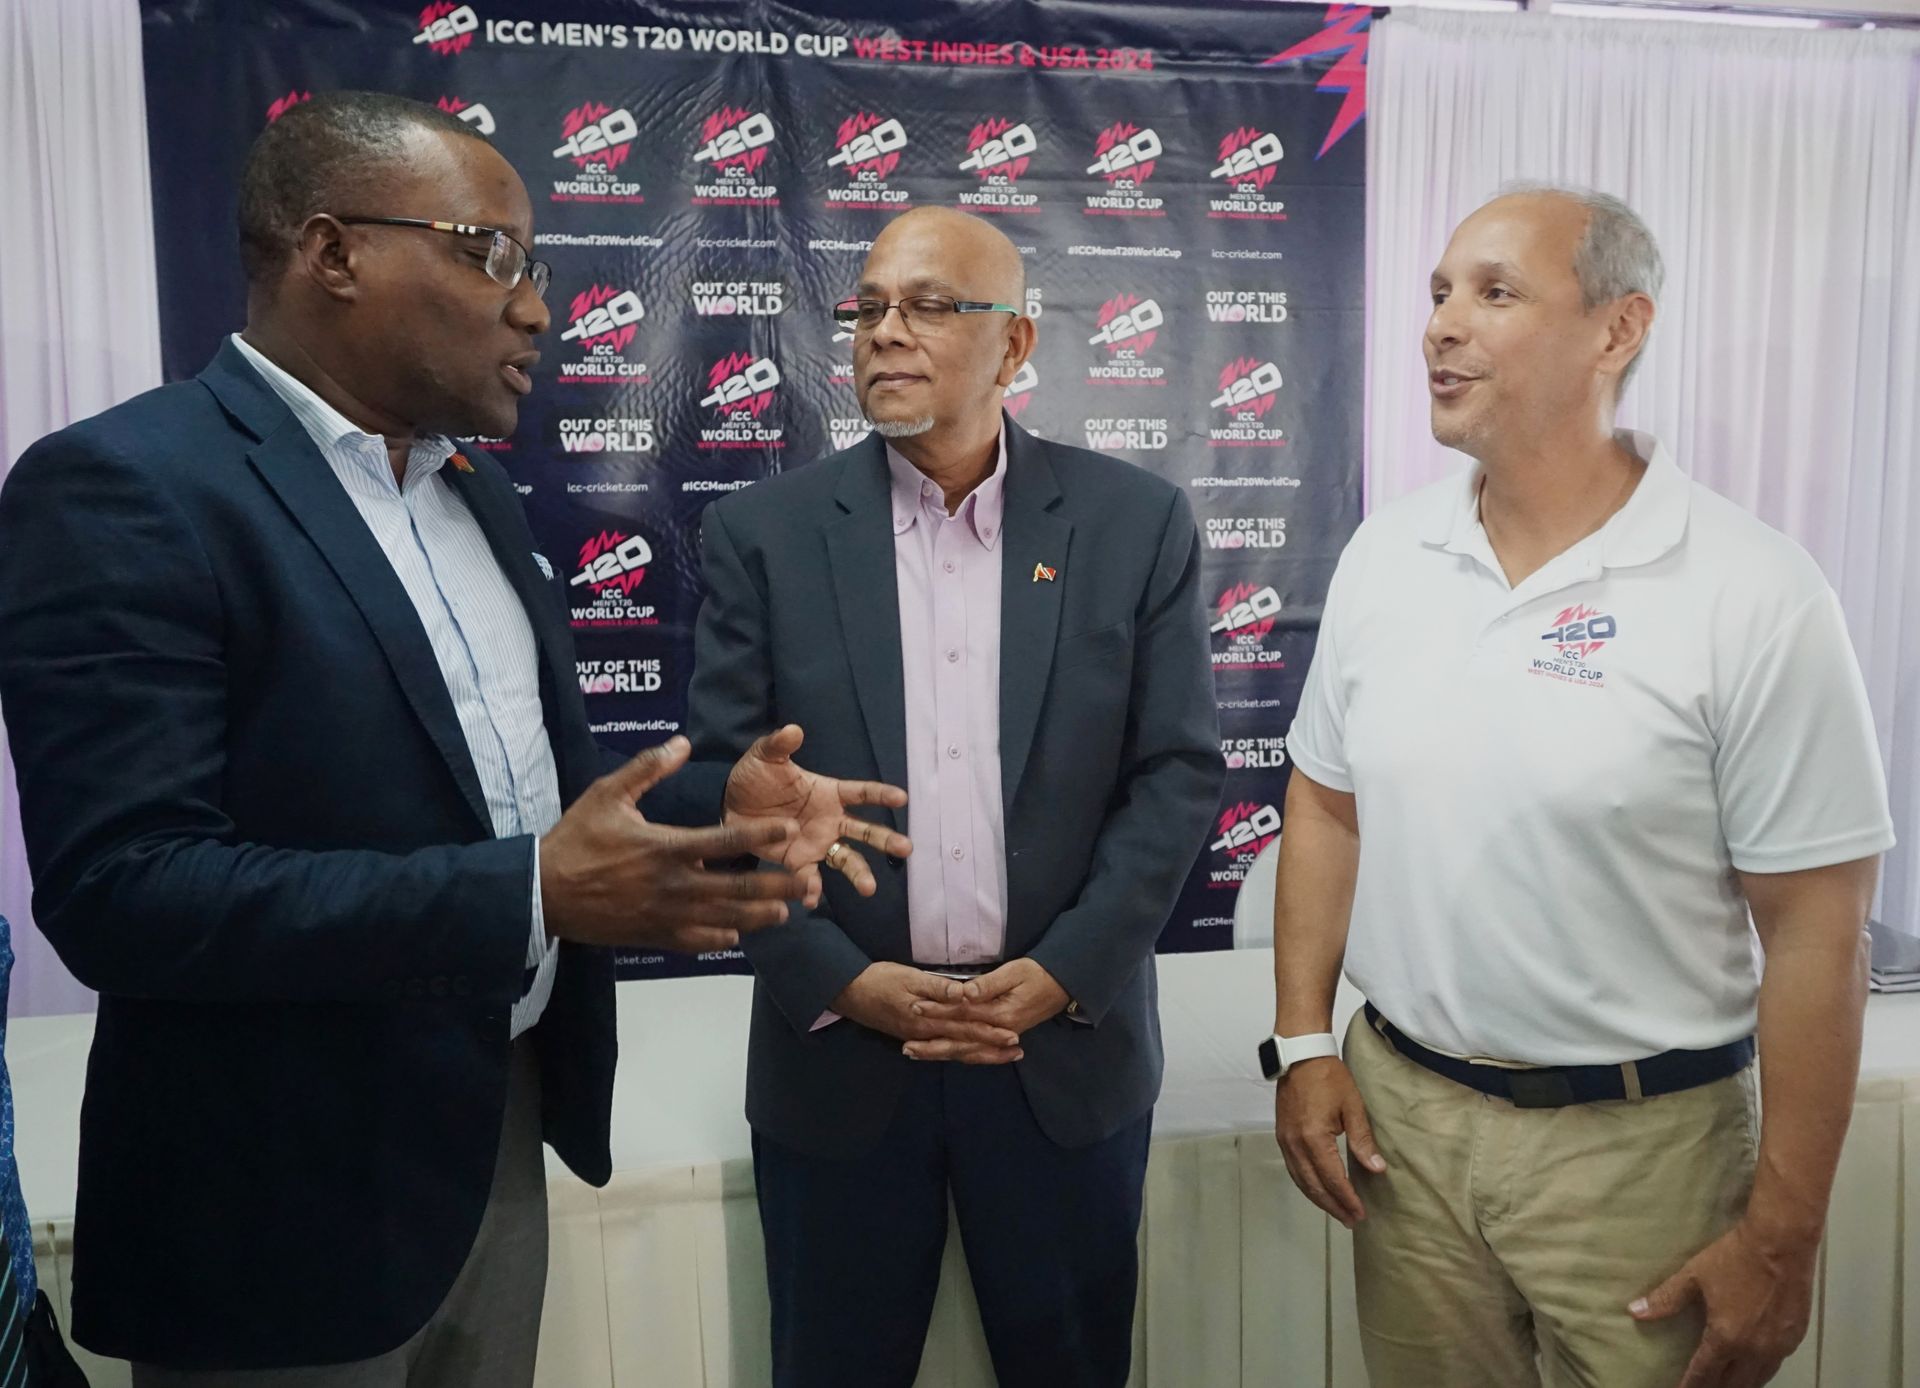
<point>1249,158</point>
<point>998,153</point>
<point>866,149</point>
<point>734,144</point>
<point>447,28</point>
<point>1127,326</point>
<point>1125,156</point>
<point>1577,634</point>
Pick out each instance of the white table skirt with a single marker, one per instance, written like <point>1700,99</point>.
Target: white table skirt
<point>657,1280</point>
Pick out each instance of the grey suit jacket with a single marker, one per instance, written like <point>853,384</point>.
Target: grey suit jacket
<point>1110,764</point>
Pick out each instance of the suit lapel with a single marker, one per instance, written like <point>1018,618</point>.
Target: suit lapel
<point>498,514</point>
<point>1029,605</point>
<point>293,467</point>
<point>860,549</point>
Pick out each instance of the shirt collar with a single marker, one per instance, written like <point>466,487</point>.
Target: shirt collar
<point>1646,528</point>
<point>914,494</point>
<point>332,431</point>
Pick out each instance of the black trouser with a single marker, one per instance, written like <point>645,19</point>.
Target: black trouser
<point>854,1247</point>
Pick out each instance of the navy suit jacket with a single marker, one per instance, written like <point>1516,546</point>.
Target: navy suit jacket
<point>255,829</point>
<point>1110,764</point>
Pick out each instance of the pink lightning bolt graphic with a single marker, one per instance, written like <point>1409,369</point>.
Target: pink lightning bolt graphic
<point>1346,35</point>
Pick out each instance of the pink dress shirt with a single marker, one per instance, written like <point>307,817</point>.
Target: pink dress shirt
<point>948,570</point>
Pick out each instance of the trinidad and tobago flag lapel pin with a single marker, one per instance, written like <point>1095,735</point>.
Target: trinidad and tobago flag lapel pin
<point>1043,574</point>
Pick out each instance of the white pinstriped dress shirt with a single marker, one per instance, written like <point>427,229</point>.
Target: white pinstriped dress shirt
<point>473,619</point>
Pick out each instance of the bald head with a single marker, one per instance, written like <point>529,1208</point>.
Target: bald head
<point>1534,324</point>
<point>973,255</point>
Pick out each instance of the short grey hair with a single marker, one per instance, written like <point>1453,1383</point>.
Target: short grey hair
<point>1617,256</point>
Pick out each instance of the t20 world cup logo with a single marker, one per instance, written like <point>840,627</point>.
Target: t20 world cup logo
<point>286,104</point>
<point>1000,150</point>
<point>595,133</point>
<point>741,383</point>
<point>1128,323</point>
<point>1246,613</point>
<point>735,138</point>
<point>447,28</point>
<point>1126,153</point>
<point>1245,828</point>
<point>1248,388</point>
<point>613,562</point>
<point>868,144</point>
<point>1249,158</point>
<point>472,112</point>
<point>603,316</point>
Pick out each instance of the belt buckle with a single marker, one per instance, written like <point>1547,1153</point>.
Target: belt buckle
<point>1540,1089</point>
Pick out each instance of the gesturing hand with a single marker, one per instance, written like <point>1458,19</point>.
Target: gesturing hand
<point>766,785</point>
<point>608,876</point>
<point>1016,997</point>
<point>898,999</point>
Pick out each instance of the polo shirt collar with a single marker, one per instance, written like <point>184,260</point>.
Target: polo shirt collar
<point>1645,529</point>
<point>1654,520</point>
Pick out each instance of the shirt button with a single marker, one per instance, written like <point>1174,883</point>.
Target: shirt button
<point>958,853</point>
<point>952,655</point>
<point>953,750</point>
<point>949,566</point>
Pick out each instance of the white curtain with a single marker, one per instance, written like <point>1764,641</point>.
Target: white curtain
<point>79,314</point>
<point>1780,173</point>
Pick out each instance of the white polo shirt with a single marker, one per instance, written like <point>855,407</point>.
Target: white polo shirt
<point>1556,782</point>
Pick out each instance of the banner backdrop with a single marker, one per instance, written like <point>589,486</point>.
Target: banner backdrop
<point>1185,182</point>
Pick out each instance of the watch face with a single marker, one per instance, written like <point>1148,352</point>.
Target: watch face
<point>1270,1059</point>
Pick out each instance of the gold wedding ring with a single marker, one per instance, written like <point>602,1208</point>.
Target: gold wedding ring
<point>834,854</point>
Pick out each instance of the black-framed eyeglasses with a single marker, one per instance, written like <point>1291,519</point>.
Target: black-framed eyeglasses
<point>922,313</point>
<point>507,259</point>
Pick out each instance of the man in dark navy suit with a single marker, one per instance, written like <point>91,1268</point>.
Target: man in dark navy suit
<point>294,712</point>
<point>1012,629</point>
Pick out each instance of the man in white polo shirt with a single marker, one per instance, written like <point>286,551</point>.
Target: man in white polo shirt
<point>1572,720</point>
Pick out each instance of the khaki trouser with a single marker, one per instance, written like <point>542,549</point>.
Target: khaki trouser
<point>1498,1234</point>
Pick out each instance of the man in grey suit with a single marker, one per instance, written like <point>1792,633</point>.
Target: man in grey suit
<point>1013,630</point>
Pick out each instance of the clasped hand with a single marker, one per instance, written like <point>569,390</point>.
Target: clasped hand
<point>978,1022</point>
